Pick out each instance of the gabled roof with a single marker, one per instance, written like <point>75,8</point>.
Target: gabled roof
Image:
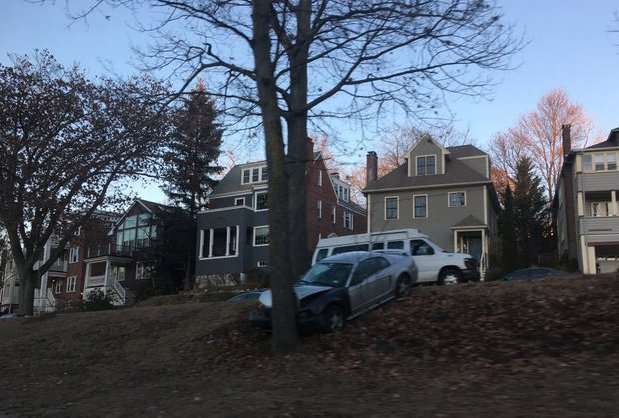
<point>456,172</point>
<point>151,207</point>
<point>231,182</point>
<point>352,206</point>
<point>469,221</point>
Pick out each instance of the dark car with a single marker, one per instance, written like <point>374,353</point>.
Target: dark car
<point>533,273</point>
<point>245,296</point>
<point>343,286</point>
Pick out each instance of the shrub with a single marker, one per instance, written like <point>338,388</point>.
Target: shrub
<point>97,300</point>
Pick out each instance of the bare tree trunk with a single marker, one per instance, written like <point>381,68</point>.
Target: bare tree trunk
<point>27,278</point>
<point>297,142</point>
<point>284,301</point>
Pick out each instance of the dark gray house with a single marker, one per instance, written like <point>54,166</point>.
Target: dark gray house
<point>233,233</point>
<point>585,206</point>
<point>446,193</point>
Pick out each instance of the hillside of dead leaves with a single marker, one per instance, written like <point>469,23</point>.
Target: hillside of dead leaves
<point>543,348</point>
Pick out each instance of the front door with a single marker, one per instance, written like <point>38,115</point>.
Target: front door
<point>474,247</point>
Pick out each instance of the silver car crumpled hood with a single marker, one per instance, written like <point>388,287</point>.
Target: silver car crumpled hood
<point>302,291</point>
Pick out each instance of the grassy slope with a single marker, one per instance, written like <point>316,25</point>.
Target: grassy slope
<point>488,339</point>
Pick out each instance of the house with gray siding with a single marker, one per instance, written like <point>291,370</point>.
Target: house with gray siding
<point>586,207</point>
<point>445,192</point>
<point>233,233</point>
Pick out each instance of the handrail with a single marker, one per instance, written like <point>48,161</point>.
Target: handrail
<point>120,290</point>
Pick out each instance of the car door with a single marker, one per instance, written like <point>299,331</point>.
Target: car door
<point>357,290</point>
<point>423,254</point>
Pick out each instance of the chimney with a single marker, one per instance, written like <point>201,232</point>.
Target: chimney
<point>372,168</point>
<point>310,149</point>
<point>567,139</point>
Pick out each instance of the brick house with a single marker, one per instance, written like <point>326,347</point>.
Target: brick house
<point>233,234</point>
<point>135,244</point>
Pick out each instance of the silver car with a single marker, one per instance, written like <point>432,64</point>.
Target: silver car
<point>343,286</point>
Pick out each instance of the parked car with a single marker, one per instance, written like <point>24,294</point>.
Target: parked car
<point>344,286</point>
<point>245,296</point>
<point>435,265</point>
<point>533,273</point>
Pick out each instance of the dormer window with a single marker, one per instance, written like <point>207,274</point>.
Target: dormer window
<point>426,165</point>
<point>255,175</point>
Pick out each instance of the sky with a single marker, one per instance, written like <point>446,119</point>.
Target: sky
<point>571,46</point>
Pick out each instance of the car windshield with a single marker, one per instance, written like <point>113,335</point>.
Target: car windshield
<point>328,274</point>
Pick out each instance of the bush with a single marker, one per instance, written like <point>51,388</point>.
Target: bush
<point>97,300</point>
<point>494,274</point>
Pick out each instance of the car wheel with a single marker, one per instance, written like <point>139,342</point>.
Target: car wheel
<point>333,318</point>
<point>402,286</point>
<point>449,276</point>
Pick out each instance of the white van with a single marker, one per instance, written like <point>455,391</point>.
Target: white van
<point>435,265</point>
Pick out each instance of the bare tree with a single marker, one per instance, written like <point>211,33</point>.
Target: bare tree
<point>306,53</point>
<point>65,143</point>
<point>537,135</point>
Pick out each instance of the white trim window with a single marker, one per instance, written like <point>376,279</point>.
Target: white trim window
<point>319,208</point>
<point>456,199</point>
<point>74,255</point>
<point>239,201</point>
<point>262,201</point>
<point>420,203</point>
<point>391,207</point>
<point>261,236</point>
<point>348,220</point>
<point>71,284</point>
<point>600,161</point>
<point>58,286</point>
<point>320,178</point>
<point>219,242</point>
<point>142,271</point>
<point>255,175</point>
<point>334,215</point>
<point>426,165</point>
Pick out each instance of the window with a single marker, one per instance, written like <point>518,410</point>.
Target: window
<point>322,253</point>
<point>611,161</point>
<point>348,220</point>
<point>420,247</point>
<point>74,255</point>
<point>219,242</point>
<point>320,177</point>
<point>239,201</point>
<point>58,286</point>
<point>378,246</point>
<point>586,162</point>
<point>395,245</point>
<point>261,235</point>
<point>262,264</point>
<point>255,175</point>
<point>426,165</point>
<point>333,215</point>
<point>457,199</point>
<point>71,282</point>
<point>421,206</point>
<point>601,209</point>
<point>391,208</point>
<point>118,273</point>
<point>142,271</point>
<point>262,201</point>
<point>602,161</point>
<point>319,208</point>
<point>599,162</point>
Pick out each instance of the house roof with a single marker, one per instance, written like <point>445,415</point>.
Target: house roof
<point>612,141</point>
<point>456,172</point>
<point>468,221</point>
<point>352,206</point>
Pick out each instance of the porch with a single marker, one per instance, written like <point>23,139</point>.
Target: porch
<point>107,273</point>
<point>473,241</point>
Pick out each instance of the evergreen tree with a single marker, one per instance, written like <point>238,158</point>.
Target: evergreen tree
<point>507,230</point>
<point>530,212</point>
<point>194,148</point>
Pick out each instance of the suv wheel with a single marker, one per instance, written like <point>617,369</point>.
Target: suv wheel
<point>333,318</point>
<point>449,276</point>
